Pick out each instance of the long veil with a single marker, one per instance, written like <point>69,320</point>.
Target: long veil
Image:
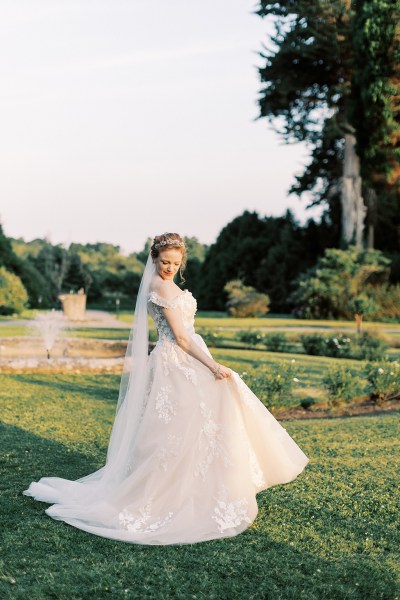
<point>127,418</point>
<point>131,390</point>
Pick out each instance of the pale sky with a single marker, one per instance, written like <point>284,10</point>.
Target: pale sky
<point>122,119</point>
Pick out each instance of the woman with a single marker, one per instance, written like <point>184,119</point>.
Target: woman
<point>191,445</point>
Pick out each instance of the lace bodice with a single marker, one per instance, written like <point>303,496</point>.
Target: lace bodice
<point>184,300</point>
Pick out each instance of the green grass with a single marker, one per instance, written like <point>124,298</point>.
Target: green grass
<point>13,330</point>
<point>29,313</point>
<point>330,534</point>
<point>311,369</point>
<point>215,319</point>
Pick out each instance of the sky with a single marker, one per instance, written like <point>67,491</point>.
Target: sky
<point>123,119</point>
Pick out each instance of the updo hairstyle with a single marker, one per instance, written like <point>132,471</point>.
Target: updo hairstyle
<point>166,241</point>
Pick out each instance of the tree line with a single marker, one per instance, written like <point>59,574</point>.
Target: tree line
<point>293,265</point>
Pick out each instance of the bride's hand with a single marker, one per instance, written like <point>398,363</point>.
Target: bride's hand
<point>220,371</point>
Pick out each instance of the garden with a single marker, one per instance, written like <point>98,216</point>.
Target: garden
<point>329,534</point>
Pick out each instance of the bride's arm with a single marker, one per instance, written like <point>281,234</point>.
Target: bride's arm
<point>186,342</point>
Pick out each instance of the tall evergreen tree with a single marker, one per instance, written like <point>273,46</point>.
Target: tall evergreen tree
<point>309,95</point>
<point>266,253</point>
<point>375,110</point>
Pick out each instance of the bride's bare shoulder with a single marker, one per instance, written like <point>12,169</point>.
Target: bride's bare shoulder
<point>165,289</point>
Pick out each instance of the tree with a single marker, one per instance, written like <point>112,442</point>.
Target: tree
<point>338,285</point>
<point>375,108</point>
<point>266,253</point>
<point>76,275</point>
<point>52,262</point>
<point>33,281</point>
<point>13,295</point>
<point>315,78</point>
<point>245,301</point>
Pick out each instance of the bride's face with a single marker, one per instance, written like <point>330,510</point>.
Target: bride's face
<point>168,262</point>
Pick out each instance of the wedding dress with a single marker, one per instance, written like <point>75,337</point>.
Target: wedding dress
<point>186,467</point>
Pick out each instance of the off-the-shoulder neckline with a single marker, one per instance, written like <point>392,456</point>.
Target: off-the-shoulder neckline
<point>172,299</point>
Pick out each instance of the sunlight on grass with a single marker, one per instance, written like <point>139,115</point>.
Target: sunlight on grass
<point>330,534</point>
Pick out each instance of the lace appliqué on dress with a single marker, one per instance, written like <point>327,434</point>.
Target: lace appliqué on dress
<point>172,355</point>
<point>165,406</point>
<point>169,353</point>
<point>210,443</point>
<point>230,514</point>
<point>140,522</point>
<point>168,452</point>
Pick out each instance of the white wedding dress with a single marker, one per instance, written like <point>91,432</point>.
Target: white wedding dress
<point>203,449</point>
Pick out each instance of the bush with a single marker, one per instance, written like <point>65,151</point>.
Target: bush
<point>340,284</point>
<point>13,295</point>
<point>387,298</point>
<point>340,383</point>
<point>383,380</point>
<point>272,383</point>
<point>338,346</point>
<point>210,337</point>
<point>314,344</point>
<point>307,403</point>
<point>245,301</point>
<point>251,337</point>
<point>369,346</point>
<point>364,346</point>
<point>276,342</point>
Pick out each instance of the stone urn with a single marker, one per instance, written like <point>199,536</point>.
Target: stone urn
<point>74,305</point>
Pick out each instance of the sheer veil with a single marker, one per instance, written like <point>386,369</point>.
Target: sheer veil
<point>132,389</point>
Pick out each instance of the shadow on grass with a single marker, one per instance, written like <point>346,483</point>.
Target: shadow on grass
<point>251,565</point>
<point>66,383</point>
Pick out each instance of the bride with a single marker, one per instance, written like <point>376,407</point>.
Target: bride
<point>191,445</point>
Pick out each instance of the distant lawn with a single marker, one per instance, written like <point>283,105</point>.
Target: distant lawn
<point>311,370</point>
<point>29,313</point>
<point>215,319</point>
<point>104,333</point>
<point>332,534</point>
<point>13,330</point>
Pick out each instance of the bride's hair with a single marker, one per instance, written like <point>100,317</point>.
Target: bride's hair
<point>167,241</point>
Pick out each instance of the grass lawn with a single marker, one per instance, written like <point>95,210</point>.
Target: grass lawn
<point>311,369</point>
<point>330,534</point>
<point>212,320</point>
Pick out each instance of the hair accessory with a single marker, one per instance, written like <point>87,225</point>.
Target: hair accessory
<point>169,243</point>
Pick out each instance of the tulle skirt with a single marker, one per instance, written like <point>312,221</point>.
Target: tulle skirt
<point>203,450</point>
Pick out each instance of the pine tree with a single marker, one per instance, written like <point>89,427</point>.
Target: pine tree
<point>311,94</point>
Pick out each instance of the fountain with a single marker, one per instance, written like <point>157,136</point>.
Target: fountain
<point>48,349</point>
<point>49,326</point>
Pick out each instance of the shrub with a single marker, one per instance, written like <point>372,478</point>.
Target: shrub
<point>340,383</point>
<point>365,345</point>
<point>307,403</point>
<point>338,346</point>
<point>387,299</point>
<point>245,301</point>
<point>276,342</point>
<point>210,337</point>
<point>13,295</point>
<point>272,383</point>
<point>369,346</point>
<point>383,380</point>
<point>252,337</point>
<point>339,284</point>
<point>314,344</point>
